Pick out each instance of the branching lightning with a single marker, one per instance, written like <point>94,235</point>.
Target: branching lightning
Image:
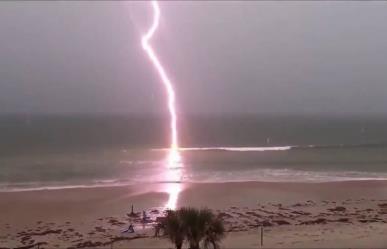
<point>174,155</point>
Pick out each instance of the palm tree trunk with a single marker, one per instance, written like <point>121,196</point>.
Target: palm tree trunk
<point>194,245</point>
<point>178,244</point>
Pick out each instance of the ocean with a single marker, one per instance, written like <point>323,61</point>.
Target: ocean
<point>73,150</point>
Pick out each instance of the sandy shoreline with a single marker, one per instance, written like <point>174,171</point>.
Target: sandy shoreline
<point>294,214</point>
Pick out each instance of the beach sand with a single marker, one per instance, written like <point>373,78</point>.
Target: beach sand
<point>293,215</point>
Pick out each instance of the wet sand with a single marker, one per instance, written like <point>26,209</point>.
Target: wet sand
<point>336,214</point>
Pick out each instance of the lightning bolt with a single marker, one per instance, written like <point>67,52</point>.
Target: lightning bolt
<point>174,156</point>
<point>173,173</point>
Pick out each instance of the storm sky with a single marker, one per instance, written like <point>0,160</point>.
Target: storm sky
<point>223,57</point>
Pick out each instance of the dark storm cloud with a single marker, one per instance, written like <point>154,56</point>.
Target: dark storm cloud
<point>288,57</point>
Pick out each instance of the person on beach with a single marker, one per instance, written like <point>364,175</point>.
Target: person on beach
<point>144,217</point>
<point>130,229</point>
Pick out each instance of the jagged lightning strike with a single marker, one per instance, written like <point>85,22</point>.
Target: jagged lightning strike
<point>174,156</point>
<point>173,173</point>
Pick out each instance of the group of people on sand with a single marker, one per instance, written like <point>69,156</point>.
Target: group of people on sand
<point>145,219</point>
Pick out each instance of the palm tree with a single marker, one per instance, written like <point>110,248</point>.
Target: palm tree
<point>214,234</point>
<point>173,228</point>
<point>201,224</point>
<point>194,225</point>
